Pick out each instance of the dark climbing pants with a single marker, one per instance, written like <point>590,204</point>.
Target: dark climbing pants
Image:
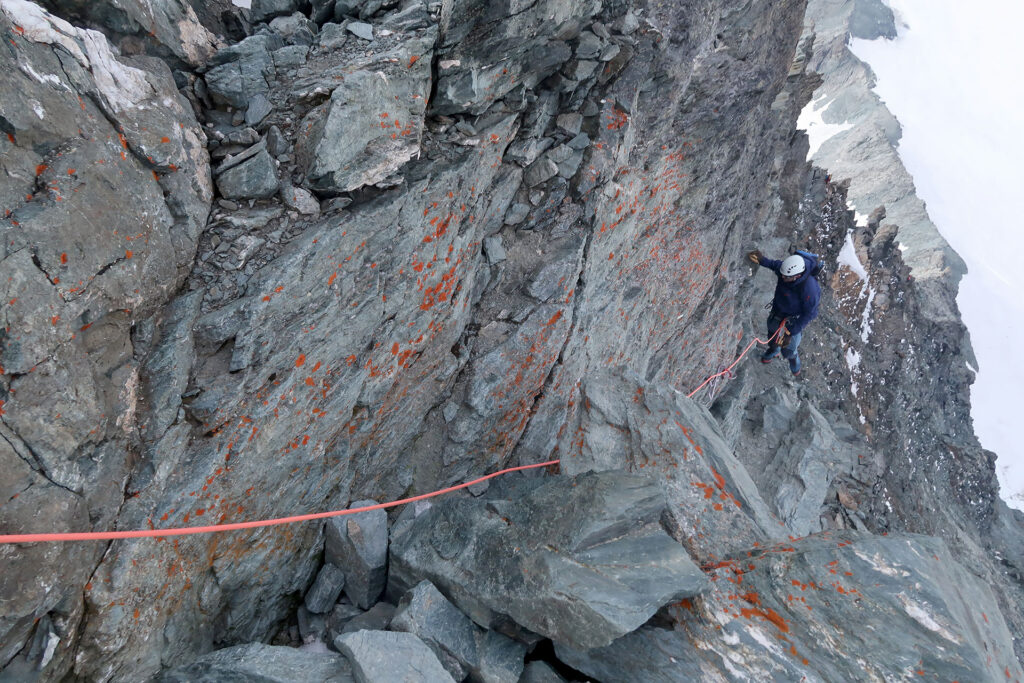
<point>789,352</point>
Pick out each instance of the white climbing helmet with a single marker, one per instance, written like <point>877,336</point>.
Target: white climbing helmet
<point>793,265</point>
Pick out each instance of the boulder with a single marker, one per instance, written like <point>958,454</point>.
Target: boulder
<point>836,606</point>
<point>256,178</point>
<point>325,590</point>
<point>371,124</point>
<point>377,618</point>
<point>300,199</point>
<point>620,421</point>
<point>264,663</point>
<point>388,657</point>
<point>243,71</point>
<point>263,10</point>
<point>460,645</point>
<point>358,545</point>
<point>579,560</point>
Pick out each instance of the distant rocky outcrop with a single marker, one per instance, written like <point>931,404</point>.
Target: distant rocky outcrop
<point>270,257</point>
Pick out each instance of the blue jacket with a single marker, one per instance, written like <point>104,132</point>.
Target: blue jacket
<point>796,301</point>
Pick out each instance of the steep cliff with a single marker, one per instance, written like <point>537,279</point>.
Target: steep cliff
<point>361,250</point>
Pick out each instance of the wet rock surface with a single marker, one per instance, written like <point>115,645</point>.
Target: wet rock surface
<point>533,253</point>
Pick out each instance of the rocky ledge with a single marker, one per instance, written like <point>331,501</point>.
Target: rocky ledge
<point>270,257</point>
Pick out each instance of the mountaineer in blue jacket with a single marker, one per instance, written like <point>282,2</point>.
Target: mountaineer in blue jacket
<point>796,303</point>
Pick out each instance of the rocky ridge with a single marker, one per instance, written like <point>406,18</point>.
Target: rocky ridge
<point>352,250</point>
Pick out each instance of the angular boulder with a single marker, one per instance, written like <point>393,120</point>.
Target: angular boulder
<point>579,560</point>
<point>460,645</point>
<point>371,125</point>
<point>264,663</point>
<point>256,178</point>
<point>388,657</point>
<point>325,590</point>
<point>358,544</point>
<point>834,607</point>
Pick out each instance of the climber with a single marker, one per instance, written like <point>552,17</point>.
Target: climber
<point>794,306</point>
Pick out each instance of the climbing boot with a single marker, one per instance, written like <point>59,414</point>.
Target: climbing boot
<point>794,365</point>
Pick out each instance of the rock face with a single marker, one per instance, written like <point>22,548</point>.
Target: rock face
<point>534,252</point>
<point>846,606</point>
<point>266,664</point>
<point>580,561</point>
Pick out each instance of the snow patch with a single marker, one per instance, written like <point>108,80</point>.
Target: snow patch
<point>244,4</point>
<point>38,109</point>
<point>818,132</point>
<point>848,257</point>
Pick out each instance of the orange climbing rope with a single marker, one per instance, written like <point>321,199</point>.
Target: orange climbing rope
<point>736,362</point>
<point>188,531</point>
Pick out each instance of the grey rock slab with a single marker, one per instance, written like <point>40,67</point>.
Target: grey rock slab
<point>540,171</point>
<point>332,36</point>
<point>263,663</point>
<point>259,108</point>
<point>290,56</point>
<point>358,544</point>
<point>277,143</point>
<point>571,123</point>
<point>715,506</point>
<point>833,606</point>
<point>262,10</point>
<point>579,560</point>
<point>389,657</point>
<point>501,658</point>
<point>296,29</point>
<point>300,199</point>
<point>525,152</point>
<point>558,275</point>
<point>360,30</point>
<point>452,635</point>
<point>377,618</point>
<point>528,35</point>
<point>253,179</point>
<point>371,125</point>
<point>589,46</point>
<point>517,213</point>
<point>235,83</point>
<point>325,589</point>
<point>494,250</point>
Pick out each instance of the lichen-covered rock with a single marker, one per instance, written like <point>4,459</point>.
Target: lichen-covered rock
<point>581,561</point>
<point>105,190</point>
<point>256,178</point>
<point>371,125</point>
<point>840,606</point>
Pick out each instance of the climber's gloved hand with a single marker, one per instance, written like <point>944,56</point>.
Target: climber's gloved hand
<point>755,257</point>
